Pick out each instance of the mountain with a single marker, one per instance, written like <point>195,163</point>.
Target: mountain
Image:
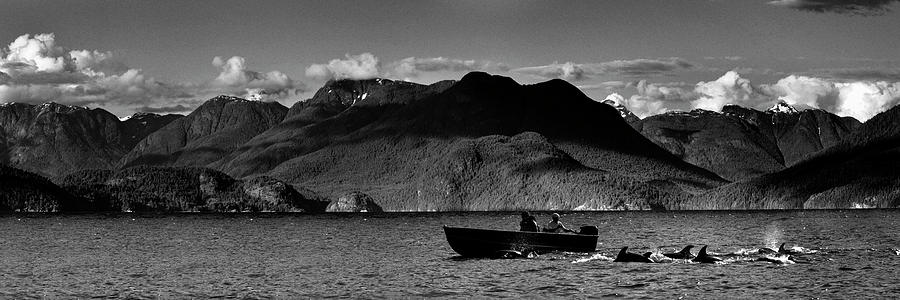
<point>723,143</point>
<point>337,96</point>
<point>626,114</point>
<point>52,139</point>
<point>859,172</point>
<point>207,134</point>
<point>797,133</point>
<point>741,142</point>
<point>524,171</point>
<point>138,126</point>
<point>389,147</point>
<point>338,108</point>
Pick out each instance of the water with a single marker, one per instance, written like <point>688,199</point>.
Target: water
<point>407,256</point>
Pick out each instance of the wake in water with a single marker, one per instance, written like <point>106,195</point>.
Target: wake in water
<point>782,256</point>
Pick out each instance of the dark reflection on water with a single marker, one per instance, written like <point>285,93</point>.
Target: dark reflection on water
<point>406,255</point>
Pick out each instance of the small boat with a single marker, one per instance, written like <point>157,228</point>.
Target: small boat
<point>474,242</point>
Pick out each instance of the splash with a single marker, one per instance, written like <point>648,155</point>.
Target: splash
<point>800,250</point>
<point>597,256</point>
<point>773,235</point>
<point>777,259</point>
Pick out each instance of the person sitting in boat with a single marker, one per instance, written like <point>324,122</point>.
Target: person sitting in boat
<point>556,226</point>
<point>528,223</point>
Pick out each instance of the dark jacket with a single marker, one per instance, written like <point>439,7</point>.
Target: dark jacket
<point>529,224</point>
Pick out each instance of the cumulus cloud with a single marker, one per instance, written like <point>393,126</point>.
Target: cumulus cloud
<point>856,7</point>
<point>730,88</point>
<point>806,91</point>
<point>656,98</point>
<point>413,66</point>
<point>97,61</point>
<point>615,98</point>
<point>34,69</point>
<point>39,52</point>
<point>633,68</point>
<point>859,99</point>
<point>234,77</point>
<point>362,66</point>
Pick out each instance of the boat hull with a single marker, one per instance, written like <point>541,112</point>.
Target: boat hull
<point>473,242</point>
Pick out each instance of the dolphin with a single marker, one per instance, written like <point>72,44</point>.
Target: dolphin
<point>780,250</point>
<point>625,256</point>
<point>703,257</point>
<point>683,254</point>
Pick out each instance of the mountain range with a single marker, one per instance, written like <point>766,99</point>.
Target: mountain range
<point>484,142</point>
<point>52,139</point>
<point>740,143</point>
<point>861,171</point>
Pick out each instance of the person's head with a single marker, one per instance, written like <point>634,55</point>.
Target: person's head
<point>555,216</point>
<point>525,215</point>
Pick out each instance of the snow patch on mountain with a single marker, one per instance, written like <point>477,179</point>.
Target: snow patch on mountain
<point>783,107</point>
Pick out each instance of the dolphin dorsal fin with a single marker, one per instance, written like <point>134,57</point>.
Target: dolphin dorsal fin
<point>687,249</point>
<point>781,248</point>
<point>702,252</point>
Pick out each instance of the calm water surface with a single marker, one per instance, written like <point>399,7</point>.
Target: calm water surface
<point>407,256</point>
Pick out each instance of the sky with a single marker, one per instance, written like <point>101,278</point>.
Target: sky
<point>651,56</point>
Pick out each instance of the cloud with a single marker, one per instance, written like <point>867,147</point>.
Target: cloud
<point>413,66</point>
<point>367,66</point>
<point>235,78</point>
<point>615,98</point>
<point>640,67</point>
<point>35,69</point>
<point>731,58</point>
<point>48,77</point>
<point>633,68</point>
<point>29,93</point>
<point>568,71</point>
<point>858,74</point>
<point>855,7</point>
<point>859,99</point>
<point>657,98</point>
<point>730,88</point>
<point>807,91</point>
<point>39,52</point>
<point>97,61</point>
<point>614,85</point>
<point>358,67</point>
<point>165,109</point>
<point>864,100</point>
